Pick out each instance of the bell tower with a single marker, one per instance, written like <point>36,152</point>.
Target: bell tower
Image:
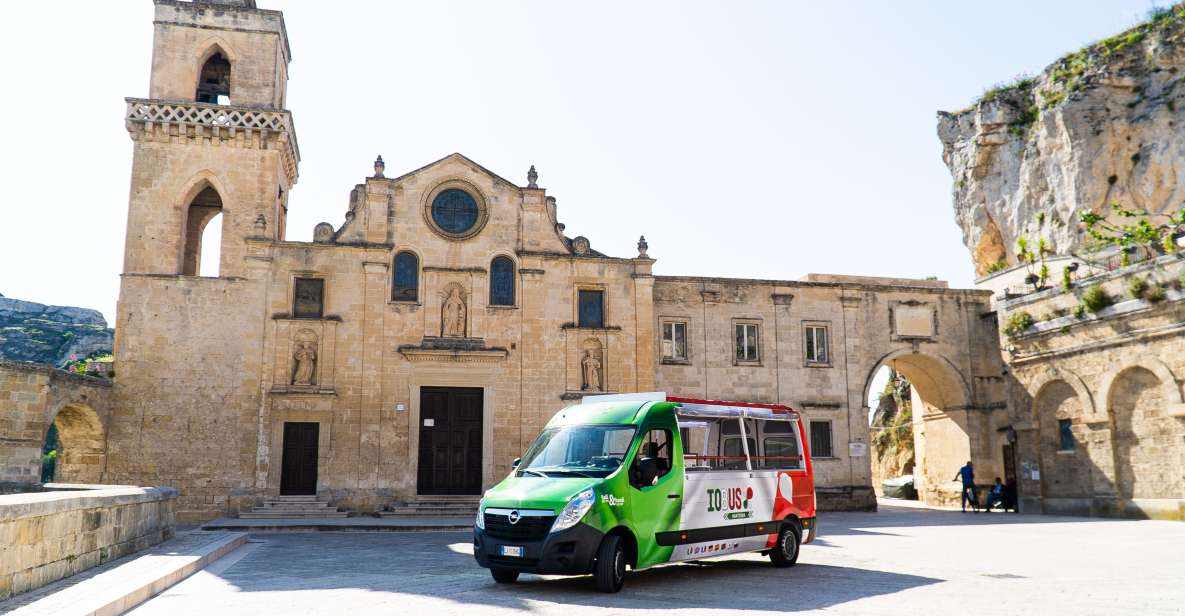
<point>212,141</point>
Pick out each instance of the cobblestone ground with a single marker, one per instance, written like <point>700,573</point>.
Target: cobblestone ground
<point>897,561</point>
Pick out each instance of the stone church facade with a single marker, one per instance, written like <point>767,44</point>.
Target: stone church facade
<point>416,348</point>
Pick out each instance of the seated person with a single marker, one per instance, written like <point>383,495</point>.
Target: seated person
<point>996,495</point>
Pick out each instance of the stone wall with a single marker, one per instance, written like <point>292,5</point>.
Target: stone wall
<point>47,536</point>
<point>1115,376</point>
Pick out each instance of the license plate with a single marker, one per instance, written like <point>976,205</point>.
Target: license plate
<point>511,550</point>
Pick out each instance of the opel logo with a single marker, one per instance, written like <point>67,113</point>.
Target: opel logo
<point>514,516</point>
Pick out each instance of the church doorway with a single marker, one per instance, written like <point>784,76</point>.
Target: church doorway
<point>298,466</point>
<point>450,440</point>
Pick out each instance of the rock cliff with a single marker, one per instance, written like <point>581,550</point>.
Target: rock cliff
<point>1099,126</point>
<point>50,334</point>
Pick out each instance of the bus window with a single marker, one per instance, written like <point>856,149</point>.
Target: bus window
<point>734,454</point>
<point>780,446</point>
<point>657,444</point>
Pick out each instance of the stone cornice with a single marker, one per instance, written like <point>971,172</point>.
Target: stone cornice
<point>482,356</point>
<point>161,120</point>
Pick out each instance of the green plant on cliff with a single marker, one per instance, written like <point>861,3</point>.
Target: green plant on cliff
<point>1067,278</point>
<point>1136,287</point>
<point>1095,298</point>
<point>1155,293</point>
<point>1017,323</point>
<point>997,267</point>
<point>1132,230</point>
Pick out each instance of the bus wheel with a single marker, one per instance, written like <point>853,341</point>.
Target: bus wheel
<point>504,576</point>
<point>785,552</point>
<point>610,571</point>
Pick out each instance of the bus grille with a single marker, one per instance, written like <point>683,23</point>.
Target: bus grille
<point>528,528</point>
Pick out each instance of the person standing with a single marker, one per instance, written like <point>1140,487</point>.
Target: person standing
<point>967,476</point>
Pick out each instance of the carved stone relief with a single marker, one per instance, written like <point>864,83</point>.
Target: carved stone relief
<point>453,313</point>
<point>592,366</point>
<point>304,359</point>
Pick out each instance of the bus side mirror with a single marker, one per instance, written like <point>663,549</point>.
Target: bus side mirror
<point>515,462</point>
<point>647,472</point>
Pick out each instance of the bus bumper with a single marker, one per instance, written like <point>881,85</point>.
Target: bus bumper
<point>810,527</point>
<point>568,551</point>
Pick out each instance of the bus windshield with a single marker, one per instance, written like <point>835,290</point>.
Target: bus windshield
<point>577,451</point>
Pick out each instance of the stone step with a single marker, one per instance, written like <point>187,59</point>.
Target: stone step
<point>298,498</point>
<point>259,515</point>
<point>414,514</point>
<point>287,505</point>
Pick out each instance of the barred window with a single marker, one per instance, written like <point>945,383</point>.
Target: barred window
<point>1065,435</point>
<point>821,439</point>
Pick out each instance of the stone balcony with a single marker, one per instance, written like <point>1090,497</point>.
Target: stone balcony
<point>245,126</point>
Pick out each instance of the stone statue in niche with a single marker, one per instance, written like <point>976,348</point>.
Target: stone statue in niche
<point>591,368</point>
<point>304,359</point>
<point>452,317</point>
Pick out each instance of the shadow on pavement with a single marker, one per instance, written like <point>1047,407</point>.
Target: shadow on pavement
<point>423,564</point>
<point>888,516</point>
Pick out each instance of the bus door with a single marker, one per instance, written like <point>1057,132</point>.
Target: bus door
<point>655,489</point>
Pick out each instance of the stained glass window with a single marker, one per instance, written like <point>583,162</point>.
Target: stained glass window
<point>502,282</point>
<point>308,298</point>
<point>406,285</point>
<point>454,211</point>
<point>591,308</point>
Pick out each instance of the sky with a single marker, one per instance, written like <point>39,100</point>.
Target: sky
<point>742,138</point>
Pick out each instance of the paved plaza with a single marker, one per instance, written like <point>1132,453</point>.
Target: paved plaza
<point>896,561</point>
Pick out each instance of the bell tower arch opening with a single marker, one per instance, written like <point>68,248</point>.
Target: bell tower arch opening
<point>940,422</point>
<point>213,84</point>
<point>204,208</point>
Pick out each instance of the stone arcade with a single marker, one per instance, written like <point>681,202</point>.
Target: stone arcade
<point>419,346</point>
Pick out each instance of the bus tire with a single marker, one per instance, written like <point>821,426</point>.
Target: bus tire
<point>610,567</point>
<point>785,551</point>
<point>504,576</point>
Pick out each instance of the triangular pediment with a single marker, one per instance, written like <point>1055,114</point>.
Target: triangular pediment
<point>456,157</point>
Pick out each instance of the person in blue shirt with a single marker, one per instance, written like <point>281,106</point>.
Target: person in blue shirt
<point>967,475</point>
<point>996,496</point>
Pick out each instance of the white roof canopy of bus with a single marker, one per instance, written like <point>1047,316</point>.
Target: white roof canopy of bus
<point>702,409</point>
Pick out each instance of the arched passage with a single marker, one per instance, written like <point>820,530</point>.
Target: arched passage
<point>943,429</point>
<point>82,457</point>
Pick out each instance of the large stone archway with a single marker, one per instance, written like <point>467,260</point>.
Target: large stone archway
<point>947,429</point>
<point>39,397</point>
<point>83,439</point>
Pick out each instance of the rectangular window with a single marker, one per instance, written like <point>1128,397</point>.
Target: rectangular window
<point>308,298</point>
<point>821,439</point>
<point>746,342</point>
<point>674,341</point>
<point>1065,435</point>
<point>591,308</point>
<point>816,344</point>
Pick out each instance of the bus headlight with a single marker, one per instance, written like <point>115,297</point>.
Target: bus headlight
<point>574,511</point>
<point>480,522</point>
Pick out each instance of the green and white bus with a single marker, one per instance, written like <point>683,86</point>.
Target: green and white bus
<point>637,480</point>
